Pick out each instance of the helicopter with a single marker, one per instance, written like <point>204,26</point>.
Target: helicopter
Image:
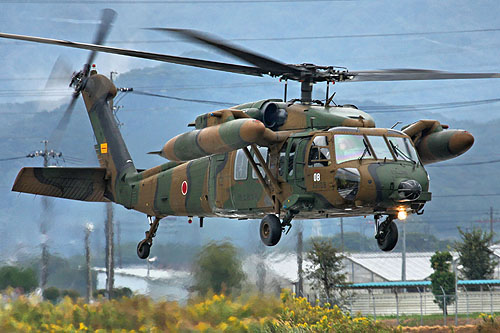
<point>273,159</point>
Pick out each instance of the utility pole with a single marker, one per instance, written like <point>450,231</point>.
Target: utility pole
<point>491,225</point>
<point>44,274</point>
<point>403,254</point>
<point>118,240</point>
<point>89,227</point>
<point>342,234</point>
<point>110,268</point>
<point>300,282</point>
<point>109,234</point>
<point>44,223</point>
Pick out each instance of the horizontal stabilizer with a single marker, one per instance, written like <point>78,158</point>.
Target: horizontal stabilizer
<point>84,184</point>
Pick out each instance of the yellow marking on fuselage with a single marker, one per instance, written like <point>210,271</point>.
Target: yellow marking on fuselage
<point>104,148</point>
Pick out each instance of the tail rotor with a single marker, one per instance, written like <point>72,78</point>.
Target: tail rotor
<point>78,79</point>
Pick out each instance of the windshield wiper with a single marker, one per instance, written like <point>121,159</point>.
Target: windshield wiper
<point>365,151</point>
<point>398,150</point>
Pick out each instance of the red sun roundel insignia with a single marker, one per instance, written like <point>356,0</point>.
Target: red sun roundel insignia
<point>184,187</point>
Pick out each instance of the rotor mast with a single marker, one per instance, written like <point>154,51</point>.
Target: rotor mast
<point>306,88</point>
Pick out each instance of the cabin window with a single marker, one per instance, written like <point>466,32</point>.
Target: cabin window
<point>282,162</point>
<point>403,149</point>
<point>263,152</point>
<point>240,166</point>
<point>350,147</point>
<point>380,147</point>
<point>291,156</point>
<point>319,153</point>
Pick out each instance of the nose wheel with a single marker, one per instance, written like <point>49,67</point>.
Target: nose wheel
<point>144,246</point>
<point>386,233</point>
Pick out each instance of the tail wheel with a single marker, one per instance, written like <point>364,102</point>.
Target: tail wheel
<point>143,249</point>
<point>270,230</point>
<point>389,238</point>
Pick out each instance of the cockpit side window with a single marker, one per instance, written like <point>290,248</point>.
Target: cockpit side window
<point>319,153</point>
<point>351,147</point>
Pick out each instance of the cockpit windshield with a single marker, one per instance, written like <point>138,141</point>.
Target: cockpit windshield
<point>403,149</point>
<point>350,147</point>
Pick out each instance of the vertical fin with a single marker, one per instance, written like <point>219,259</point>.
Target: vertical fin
<point>111,149</point>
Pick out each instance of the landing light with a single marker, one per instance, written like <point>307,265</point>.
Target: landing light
<point>402,215</point>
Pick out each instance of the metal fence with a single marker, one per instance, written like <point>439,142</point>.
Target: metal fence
<point>422,303</point>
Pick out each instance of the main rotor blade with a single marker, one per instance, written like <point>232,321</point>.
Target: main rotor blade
<point>414,74</point>
<point>57,135</point>
<point>271,66</point>
<point>107,18</point>
<point>220,66</point>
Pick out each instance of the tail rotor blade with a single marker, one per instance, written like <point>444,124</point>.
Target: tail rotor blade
<point>57,135</point>
<point>60,74</point>
<point>107,18</point>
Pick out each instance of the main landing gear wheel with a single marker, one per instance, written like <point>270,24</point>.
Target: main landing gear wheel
<point>144,246</point>
<point>270,230</point>
<point>143,249</point>
<point>387,235</point>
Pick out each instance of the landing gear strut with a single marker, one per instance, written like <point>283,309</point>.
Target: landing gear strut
<point>144,246</point>
<point>271,228</point>
<point>386,233</point>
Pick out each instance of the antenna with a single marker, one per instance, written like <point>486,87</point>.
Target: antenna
<point>286,90</point>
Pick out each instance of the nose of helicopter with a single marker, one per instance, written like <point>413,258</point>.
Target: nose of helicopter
<point>391,184</point>
<point>460,142</point>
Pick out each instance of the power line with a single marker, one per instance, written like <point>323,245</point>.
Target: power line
<point>467,195</point>
<point>185,99</point>
<point>135,2</point>
<point>425,107</point>
<point>295,38</point>
<point>463,164</point>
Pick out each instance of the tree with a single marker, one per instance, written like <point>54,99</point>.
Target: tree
<point>218,269</point>
<point>117,293</point>
<point>73,294</point>
<point>325,271</point>
<point>475,256</point>
<point>51,294</point>
<point>442,279</point>
<point>16,277</point>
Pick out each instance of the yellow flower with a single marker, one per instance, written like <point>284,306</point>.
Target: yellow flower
<point>83,327</point>
<point>222,326</point>
<point>202,326</point>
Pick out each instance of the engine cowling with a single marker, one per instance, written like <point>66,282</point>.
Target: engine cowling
<point>435,142</point>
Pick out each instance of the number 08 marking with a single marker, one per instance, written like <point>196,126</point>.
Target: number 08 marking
<point>316,177</point>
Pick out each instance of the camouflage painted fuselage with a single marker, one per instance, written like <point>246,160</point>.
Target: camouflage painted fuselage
<point>211,186</point>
